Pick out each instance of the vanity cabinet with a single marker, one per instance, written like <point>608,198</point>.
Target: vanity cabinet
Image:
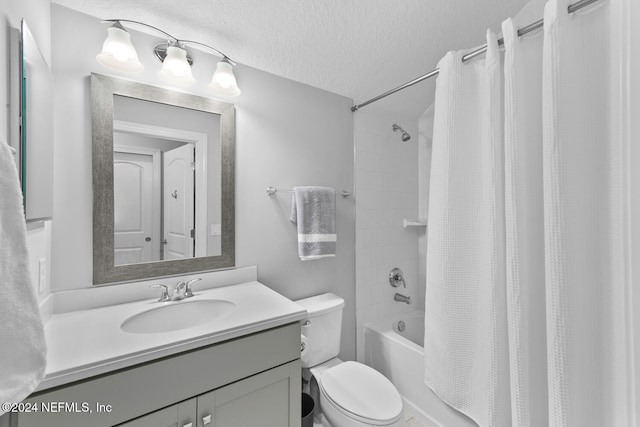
<point>257,400</point>
<point>252,380</point>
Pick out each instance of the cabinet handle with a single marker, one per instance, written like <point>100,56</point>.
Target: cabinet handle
<point>206,420</point>
<point>188,425</point>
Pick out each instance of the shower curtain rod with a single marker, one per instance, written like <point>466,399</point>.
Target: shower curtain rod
<point>479,51</point>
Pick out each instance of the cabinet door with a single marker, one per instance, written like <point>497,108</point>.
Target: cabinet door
<point>267,399</point>
<point>180,415</point>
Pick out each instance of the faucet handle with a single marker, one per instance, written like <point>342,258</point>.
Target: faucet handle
<point>188,292</point>
<point>165,292</point>
<point>396,278</point>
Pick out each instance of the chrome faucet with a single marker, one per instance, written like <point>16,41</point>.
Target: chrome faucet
<point>402,298</point>
<point>179,292</point>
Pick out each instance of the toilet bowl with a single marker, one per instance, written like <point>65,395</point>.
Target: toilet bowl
<point>355,395</point>
<point>350,394</point>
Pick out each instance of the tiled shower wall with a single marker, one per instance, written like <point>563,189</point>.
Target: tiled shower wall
<point>386,193</point>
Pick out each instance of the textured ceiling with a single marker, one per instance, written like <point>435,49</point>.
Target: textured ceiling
<point>356,48</point>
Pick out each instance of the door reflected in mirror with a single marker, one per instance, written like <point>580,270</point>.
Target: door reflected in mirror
<point>166,199</point>
<point>163,181</point>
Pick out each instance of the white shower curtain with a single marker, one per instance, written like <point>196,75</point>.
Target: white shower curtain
<point>527,259</point>
<point>525,218</point>
<point>465,310</point>
<point>585,220</point>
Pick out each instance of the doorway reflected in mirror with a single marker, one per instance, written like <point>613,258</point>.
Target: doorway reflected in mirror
<point>163,181</point>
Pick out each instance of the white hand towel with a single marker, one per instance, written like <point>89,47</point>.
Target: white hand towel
<point>313,209</point>
<point>22,343</point>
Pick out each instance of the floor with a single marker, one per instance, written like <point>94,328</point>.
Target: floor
<point>410,421</point>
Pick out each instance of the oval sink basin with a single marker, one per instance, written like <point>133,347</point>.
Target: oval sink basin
<point>177,315</point>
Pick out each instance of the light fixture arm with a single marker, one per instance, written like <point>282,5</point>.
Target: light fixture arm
<point>119,21</point>
<point>177,40</point>
<point>224,57</point>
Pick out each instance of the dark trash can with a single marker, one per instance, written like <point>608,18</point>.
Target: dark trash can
<point>307,410</point>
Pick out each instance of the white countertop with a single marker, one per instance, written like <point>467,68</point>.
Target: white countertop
<point>85,343</point>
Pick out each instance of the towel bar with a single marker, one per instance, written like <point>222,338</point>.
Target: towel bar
<point>271,191</point>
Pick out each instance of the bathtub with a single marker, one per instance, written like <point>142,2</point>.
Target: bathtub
<point>399,355</point>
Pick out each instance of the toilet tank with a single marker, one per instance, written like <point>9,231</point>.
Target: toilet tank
<point>321,329</point>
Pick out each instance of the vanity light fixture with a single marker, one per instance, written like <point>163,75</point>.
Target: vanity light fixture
<point>118,53</point>
<point>223,80</point>
<point>175,67</point>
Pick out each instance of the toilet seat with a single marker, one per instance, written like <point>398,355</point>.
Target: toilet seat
<point>361,393</point>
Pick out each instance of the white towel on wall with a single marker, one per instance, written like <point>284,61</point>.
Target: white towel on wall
<point>22,344</point>
<point>466,354</point>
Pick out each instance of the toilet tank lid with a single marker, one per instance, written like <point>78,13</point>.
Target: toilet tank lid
<point>320,304</point>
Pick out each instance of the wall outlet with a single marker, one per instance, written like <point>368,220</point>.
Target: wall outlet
<point>216,229</point>
<point>42,275</point>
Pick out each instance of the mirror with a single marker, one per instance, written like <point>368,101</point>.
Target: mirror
<point>166,204</point>
<point>31,124</point>
<point>163,181</point>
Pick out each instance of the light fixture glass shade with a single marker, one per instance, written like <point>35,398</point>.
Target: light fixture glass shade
<point>223,82</point>
<point>118,52</point>
<point>175,68</point>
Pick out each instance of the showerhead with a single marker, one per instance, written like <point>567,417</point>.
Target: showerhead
<point>405,135</point>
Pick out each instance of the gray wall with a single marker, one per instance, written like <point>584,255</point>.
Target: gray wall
<point>287,134</point>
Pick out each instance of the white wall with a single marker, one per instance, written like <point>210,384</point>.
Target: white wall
<point>387,193</point>
<point>287,134</point>
<point>424,178</point>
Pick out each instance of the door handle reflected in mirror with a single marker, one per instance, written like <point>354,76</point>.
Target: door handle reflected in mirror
<point>147,239</point>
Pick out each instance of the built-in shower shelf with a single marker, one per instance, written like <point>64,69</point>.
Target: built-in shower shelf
<point>414,223</point>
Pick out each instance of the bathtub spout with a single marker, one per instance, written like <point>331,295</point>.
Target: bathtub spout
<point>402,298</point>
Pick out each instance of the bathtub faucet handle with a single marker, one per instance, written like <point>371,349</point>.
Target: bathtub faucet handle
<point>396,278</point>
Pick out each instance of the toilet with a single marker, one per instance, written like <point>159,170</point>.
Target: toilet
<point>350,394</point>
